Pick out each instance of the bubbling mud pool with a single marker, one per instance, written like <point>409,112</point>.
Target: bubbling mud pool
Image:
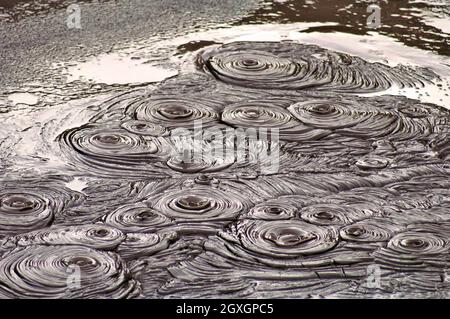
<point>357,204</point>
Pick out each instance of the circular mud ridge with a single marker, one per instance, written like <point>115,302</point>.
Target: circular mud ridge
<point>293,66</point>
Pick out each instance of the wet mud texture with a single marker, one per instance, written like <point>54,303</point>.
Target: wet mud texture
<point>35,33</point>
<point>362,186</point>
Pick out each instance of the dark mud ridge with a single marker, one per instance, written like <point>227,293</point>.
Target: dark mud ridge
<point>323,194</point>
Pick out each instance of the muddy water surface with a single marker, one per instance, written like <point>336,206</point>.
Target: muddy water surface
<point>93,181</point>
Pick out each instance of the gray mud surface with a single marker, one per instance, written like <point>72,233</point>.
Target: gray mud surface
<point>226,149</point>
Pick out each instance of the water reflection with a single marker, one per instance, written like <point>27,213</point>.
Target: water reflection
<point>421,24</point>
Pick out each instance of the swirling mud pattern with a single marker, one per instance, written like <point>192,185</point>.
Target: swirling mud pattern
<point>110,150</point>
<point>28,204</point>
<point>294,185</point>
<point>103,274</point>
<point>293,66</point>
